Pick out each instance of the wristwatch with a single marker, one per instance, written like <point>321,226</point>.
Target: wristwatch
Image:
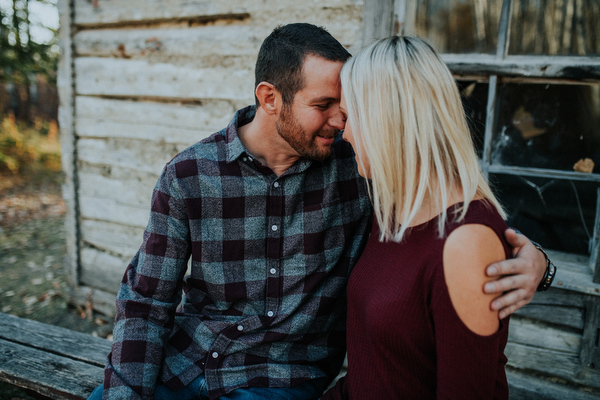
<point>550,271</point>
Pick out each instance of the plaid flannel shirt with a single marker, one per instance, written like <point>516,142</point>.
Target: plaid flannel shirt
<point>264,302</point>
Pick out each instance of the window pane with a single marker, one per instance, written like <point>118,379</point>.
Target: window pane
<point>474,98</point>
<point>555,27</point>
<point>548,126</point>
<point>459,26</point>
<point>557,214</point>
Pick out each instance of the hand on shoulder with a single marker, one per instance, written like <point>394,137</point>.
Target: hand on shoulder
<point>468,250</point>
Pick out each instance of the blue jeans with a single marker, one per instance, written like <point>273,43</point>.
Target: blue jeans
<point>197,390</point>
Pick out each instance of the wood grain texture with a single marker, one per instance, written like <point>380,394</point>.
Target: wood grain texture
<point>97,76</point>
<point>568,68</point>
<point>538,360</point>
<point>527,387</point>
<point>378,20</point>
<point>118,239</point>
<point>223,46</point>
<point>528,332</point>
<point>557,307</point>
<point>52,361</point>
<point>61,341</point>
<point>67,139</point>
<point>112,11</point>
<point>102,270</point>
<point>267,13</point>
<point>167,123</point>
<point>102,301</point>
<point>133,155</point>
<point>590,347</point>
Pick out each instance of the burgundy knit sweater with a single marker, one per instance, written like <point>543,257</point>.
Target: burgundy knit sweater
<point>405,340</point>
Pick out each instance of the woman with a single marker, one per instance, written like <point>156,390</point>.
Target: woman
<point>419,324</point>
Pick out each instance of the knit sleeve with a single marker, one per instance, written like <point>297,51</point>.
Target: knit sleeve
<point>469,366</point>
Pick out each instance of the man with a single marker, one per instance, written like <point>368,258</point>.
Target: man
<point>274,215</point>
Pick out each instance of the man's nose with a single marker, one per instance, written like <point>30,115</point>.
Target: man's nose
<point>337,120</point>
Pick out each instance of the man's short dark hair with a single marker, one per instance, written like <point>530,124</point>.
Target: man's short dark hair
<point>282,54</point>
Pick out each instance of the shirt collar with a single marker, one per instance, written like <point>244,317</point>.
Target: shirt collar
<point>235,148</point>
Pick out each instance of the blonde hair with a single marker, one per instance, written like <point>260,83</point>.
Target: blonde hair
<point>408,120</point>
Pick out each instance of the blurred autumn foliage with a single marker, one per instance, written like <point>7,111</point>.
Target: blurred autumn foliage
<point>28,99</point>
<point>28,148</point>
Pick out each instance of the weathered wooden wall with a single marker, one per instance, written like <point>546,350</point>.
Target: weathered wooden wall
<point>147,79</point>
<point>547,349</point>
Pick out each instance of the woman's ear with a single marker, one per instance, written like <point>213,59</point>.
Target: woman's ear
<point>268,97</point>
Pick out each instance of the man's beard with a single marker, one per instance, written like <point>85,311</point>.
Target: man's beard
<point>290,130</point>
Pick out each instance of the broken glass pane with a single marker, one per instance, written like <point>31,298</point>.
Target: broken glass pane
<point>558,214</point>
<point>459,26</point>
<point>474,98</point>
<point>548,126</point>
<point>555,27</point>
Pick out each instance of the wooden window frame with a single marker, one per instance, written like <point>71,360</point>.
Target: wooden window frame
<point>383,18</point>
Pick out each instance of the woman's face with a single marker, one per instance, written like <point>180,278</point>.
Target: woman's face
<point>349,137</point>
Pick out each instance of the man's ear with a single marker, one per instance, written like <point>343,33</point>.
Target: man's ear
<point>268,97</point>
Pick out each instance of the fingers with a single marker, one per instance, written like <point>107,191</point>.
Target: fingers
<point>518,278</point>
<point>509,267</point>
<point>505,312</point>
<point>525,282</point>
<point>510,302</point>
<point>515,239</point>
<point>518,291</point>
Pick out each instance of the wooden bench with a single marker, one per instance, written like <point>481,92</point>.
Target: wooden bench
<point>53,362</point>
<point>59,363</point>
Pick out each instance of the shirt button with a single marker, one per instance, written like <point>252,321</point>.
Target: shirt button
<point>270,313</point>
<point>215,354</point>
<point>276,184</point>
<point>273,270</point>
<point>240,328</point>
<point>245,159</point>
<point>274,228</point>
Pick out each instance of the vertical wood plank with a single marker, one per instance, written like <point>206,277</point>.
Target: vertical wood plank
<point>408,10</point>
<point>378,20</point>
<point>595,246</point>
<point>489,125</point>
<point>504,29</point>
<point>590,341</point>
<point>66,113</point>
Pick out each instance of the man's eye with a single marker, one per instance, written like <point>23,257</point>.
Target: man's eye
<point>323,106</point>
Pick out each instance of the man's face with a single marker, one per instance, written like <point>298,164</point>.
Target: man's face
<point>311,123</point>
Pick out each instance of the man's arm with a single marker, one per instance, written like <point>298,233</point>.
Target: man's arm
<point>519,277</point>
<point>149,294</point>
